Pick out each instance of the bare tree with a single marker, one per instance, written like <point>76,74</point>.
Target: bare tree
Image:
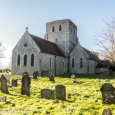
<point>106,41</point>
<point>10,64</point>
<point>2,49</point>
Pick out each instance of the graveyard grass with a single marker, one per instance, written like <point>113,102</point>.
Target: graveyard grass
<point>82,98</point>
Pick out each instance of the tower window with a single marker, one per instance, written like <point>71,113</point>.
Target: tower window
<point>81,62</point>
<point>25,60</point>
<point>53,28</point>
<point>59,27</point>
<point>18,60</point>
<point>72,62</point>
<point>32,60</point>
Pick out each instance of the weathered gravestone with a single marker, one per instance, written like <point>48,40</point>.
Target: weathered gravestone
<point>44,73</point>
<point>51,77</point>
<point>107,80</point>
<point>98,80</point>
<point>3,99</point>
<point>25,84</point>
<point>106,112</point>
<point>14,82</point>
<point>47,93</point>
<point>35,74</point>
<point>7,76</point>
<point>72,76</point>
<point>4,87</point>
<point>60,92</point>
<point>108,96</point>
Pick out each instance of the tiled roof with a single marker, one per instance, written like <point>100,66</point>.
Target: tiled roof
<point>47,46</point>
<point>103,64</point>
<point>91,55</point>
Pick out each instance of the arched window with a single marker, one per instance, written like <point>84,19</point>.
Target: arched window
<point>81,62</point>
<point>32,60</point>
<point>50,63</point>
<point>53,28</point>
<point>25,60</point>
<point>18,60</point>
<point>59,27</point>
<point>72,62</point>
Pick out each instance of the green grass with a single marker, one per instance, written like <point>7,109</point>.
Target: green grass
<point>82,98</point>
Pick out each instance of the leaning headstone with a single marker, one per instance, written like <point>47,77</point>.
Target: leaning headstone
<point>25,84</point>
<point>106,112</point>
<point>72,76</point>
<point>60,92</point>
<point>7,76</point>
<point>14,82</point>
<point>47,93</point>
<point>44,73</point>
<point>51,77</point>
<point>108,96</point>
<point>98,80</point>
<point>4,87</point>
<point>3,99</point>
<point>110,72</point>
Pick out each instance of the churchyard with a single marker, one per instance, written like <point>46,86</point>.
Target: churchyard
<point>83,95</point>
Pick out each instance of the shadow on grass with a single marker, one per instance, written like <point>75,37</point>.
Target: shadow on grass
<point>88,76</point>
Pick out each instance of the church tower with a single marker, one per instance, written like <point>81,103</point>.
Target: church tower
<point>63,33</point>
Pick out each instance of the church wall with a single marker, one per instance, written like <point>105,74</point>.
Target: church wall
<point>31,48</point>
<point>77,54</point>
<point>50,66</point>
<point>92,66</point>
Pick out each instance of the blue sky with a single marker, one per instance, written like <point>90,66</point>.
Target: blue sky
<point>16,15</point>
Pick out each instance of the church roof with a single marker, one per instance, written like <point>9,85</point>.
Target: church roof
<point>91,55</point>
<point>47,46</point>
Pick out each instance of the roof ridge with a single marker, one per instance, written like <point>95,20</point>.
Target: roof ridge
<point>42,38</point>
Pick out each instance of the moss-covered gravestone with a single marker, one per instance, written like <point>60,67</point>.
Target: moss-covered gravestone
<point>25,84</point>
<point>47,93</point>
<point>35,74</point>
<point>4,87</point>
<point>60,92</point>
<point>51,78</point>
<point>106,112</point>
<point>14,82</point>
<point>108,96</point>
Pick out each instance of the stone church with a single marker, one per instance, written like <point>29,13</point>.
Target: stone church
<point>58,53</point>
